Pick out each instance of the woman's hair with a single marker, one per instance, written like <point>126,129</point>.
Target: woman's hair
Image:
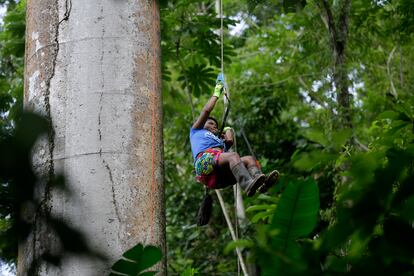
<point>213,119</point>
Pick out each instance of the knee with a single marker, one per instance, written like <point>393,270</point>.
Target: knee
<point>234,157</point>
<point>249,160</point>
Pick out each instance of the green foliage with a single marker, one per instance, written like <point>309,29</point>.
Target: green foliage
<point>136,260</point>
<point>197,78</point>
<point>11,66</point>
<point>241,244</point>
<point>265,210</point>
<point>190,272</point>
<point>279,70</point>
<point>284,100</point>
<point>370,212</point>
<point>278,251</point>
<point>18,180</point>
<point>191,61</point>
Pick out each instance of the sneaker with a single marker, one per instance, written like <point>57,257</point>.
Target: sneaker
<point>257,182</point>
<point>270,180</point>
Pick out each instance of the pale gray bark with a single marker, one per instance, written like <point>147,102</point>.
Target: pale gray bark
<point>93,69</point>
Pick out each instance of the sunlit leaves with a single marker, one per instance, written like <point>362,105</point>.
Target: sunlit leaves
<point>11,54</point>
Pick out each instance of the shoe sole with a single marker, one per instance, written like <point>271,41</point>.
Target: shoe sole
<point>251,190</point>
<point>269,182</point>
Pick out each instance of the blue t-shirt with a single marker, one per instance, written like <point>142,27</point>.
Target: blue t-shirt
<point>202,139</point>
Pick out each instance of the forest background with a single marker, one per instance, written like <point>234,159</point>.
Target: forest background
<point>321,90</point>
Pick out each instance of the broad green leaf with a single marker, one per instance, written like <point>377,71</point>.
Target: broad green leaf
<point>126,267</point>
<point>148,273</point>
<point>135,253</point>
<point>340,137</point>
<point>262,215</point>
<point>261,207</point>
<point>295,217</point>
<point>389,114</point>
<point>268,198</point>
<point>150,257</point>
<point>317,136</point>
<point>407,210</point>
<point>136,260</point>
<point>308,161</point>
<point>237,244</point>
<point>297,211</point>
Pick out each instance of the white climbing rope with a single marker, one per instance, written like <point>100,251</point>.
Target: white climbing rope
<point>226,98</point>
<point>232,233</point>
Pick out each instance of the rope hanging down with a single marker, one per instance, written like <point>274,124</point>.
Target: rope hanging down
<point>226,99</point>
<point>205,210</point>
<point>222,37</point>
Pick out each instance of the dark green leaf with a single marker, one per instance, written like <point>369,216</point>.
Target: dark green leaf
<point>297,210</point>
<point>150,257</point>
<point>137,259</point>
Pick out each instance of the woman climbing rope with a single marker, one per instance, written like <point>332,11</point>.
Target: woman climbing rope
<point>214,166</point>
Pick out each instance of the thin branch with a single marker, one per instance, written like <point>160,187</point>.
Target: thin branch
<point>313,97</point>
<point>281,81</point>
<point>393,91</point>
<point>401,66</point>
<point>360,145</point>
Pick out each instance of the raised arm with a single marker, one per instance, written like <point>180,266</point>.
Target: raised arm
<point>201,120</point>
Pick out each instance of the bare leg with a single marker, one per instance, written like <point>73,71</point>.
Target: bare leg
<point>231,166</point>
<point>249,161</point>
<point>228,160</point>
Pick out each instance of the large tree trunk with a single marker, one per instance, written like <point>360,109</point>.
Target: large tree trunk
<point>338,34</point>
<point>93,69</point>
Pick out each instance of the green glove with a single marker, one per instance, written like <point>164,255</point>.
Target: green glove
<point>218,89</point>
<point>226,128</point>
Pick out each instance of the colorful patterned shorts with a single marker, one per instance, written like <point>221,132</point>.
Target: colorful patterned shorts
<point>204,167</point>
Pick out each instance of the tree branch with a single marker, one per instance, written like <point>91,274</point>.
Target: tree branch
<point>393,91</point>
<point>314,98</point>
<point>360,145</point>
<point>401,66</point>
<point>329,20</point>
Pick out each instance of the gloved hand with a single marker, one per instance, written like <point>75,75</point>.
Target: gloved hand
<point>218,90</point>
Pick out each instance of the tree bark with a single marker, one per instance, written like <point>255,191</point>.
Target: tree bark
<point>338,34</point>
<point>93,69</point>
